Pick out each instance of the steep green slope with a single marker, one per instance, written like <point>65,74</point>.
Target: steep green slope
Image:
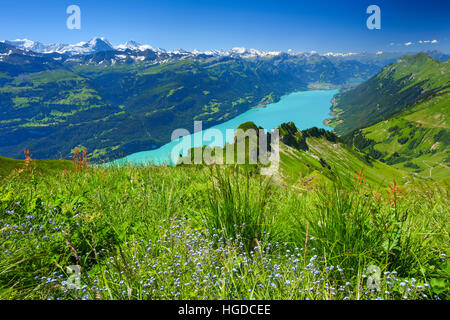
<point>324,157</point>
<point>411,130</point>
<point>312,156</point>
<point>411,81</point>
<point>416,140</point>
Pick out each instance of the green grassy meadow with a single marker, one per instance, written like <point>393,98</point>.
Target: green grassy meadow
<point>210,232</point>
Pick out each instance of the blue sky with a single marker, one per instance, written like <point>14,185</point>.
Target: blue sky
<point>323,26</point>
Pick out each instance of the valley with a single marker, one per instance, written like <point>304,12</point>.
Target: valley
<point>118,101</point>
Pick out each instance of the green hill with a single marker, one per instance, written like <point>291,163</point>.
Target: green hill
<point>416,140</point>
<point>412,83</point>
<point>7,165</point>
<point>323,156</point>
<point>404,115</point>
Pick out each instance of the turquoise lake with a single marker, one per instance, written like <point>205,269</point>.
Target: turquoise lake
<point>306,109</point>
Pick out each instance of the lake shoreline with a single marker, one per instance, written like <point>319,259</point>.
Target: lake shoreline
<point>295,106</point>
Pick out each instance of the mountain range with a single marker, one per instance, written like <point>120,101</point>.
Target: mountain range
<point>119,100</point>
<point>131,98</point>
<point>100,44</point>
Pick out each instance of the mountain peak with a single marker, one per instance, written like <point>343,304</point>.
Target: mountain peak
<point>99,44</point>
<point>418,58</point>
<point>26,44</point>
<point>133,45</point>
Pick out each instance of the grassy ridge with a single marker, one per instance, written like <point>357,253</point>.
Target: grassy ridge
<point>416,140</point>
<point>327,160</point>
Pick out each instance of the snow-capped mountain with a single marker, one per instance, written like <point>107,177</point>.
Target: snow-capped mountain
<point>339,54</point>
<point>93,46</point>
<point>102,45</point>
<point>132,51</point>
<point>247,53</point>
<point>135,46</point>
<point>27,45</point>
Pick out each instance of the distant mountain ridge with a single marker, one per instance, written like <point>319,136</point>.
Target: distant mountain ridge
<point>93,46</point>
<point>101,44</point>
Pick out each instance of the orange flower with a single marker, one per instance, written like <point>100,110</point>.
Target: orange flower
<point>360,177</point>
<point>29,164</point>
<point>80,159</point>
<point>394,193</point>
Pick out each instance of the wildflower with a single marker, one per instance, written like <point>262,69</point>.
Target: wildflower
<point>394,193</point>
<point>359,177</point>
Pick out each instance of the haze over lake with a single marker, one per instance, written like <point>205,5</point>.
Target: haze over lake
<point>306,109</point>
